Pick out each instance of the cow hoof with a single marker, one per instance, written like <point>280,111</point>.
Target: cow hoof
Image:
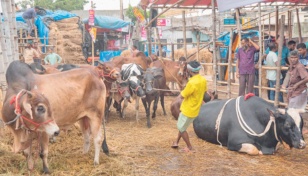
<point>96,163</point>
<point>46,171</point>
<point>149,125</point>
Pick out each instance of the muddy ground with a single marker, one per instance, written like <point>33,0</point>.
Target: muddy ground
<point>137,150</point>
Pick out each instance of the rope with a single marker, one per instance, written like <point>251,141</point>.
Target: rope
<point>247,129</point>
<point>243,124</point>
<point>217,126</point>
<point>167,90</point>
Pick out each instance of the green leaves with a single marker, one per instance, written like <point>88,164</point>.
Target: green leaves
<point>67,5</point>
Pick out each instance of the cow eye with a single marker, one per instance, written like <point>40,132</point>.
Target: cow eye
<point>287,125</point>
<point>41,109</point>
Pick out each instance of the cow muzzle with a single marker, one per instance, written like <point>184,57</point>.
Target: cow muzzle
<point>302,144</point>
<point>52,129</point>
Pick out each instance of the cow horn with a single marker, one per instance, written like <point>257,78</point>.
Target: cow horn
<point>30,94</point>
<point>60,69</point>
<point>40,71</point>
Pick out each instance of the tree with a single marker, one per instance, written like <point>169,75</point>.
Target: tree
<point>130,14</point>
<point>67,5</point>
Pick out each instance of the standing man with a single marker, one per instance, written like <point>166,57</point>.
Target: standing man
<point>52,58</point>
<point>134,51</point>
<point>29,16</point>
<point>39,51</point>
<point>272,61</point>
<point>303,55</point>
<point>245,67</point>
<point>190,107</point>
<point>29,54</point>
<point>291,45</point>
<point>297,88</point>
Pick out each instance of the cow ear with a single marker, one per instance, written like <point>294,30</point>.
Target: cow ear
<point>300,110</point>
<point>27,107</point>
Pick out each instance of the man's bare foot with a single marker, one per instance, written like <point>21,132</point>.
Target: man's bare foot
<point>187,150</point>
<point>175,145</point>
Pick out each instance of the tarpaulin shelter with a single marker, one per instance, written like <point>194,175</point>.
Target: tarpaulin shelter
<point>42,22</point>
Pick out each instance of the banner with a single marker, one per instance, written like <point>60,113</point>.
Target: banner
<point>91,18</point>
<point>224,5</point>
<point>93,34</point>
<point>138,14</point>
<point>163,22</point>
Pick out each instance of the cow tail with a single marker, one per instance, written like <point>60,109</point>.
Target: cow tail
<point>104,144</point>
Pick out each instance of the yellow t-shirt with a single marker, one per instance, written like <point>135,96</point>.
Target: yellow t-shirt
<point>193,96</point>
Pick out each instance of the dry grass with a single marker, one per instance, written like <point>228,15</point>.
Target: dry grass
<point>137,150</point>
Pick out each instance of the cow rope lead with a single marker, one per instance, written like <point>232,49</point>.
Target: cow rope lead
<point>243,124</point>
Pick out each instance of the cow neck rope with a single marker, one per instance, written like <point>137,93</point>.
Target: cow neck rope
<point>243,124</point>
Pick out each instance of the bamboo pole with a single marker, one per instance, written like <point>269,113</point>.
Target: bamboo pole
<point>180,1</point>
<point>299,27</point>
<point>261,50</point>
<point>15,30</point>
<point>184,34</point>
<point>172,51</point>
<point>289,25</point>
<point>238,24</point>
<point>6,35</point>
<point>21,49</point>
<point>276,23</point>
<point>10,22</point>
<point>230,64</point>
<point>214,44</point>
<point>3,45</point>
<point>198,46</point>
<point>159,44</point>
<point>280,46</point>
<point>149,32</point>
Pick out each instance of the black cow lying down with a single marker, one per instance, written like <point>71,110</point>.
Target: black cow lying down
<point>243,128</point>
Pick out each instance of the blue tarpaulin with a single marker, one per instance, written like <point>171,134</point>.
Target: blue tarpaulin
<point>39,22</point>
<point>108,22</point>
<point>105,56</point>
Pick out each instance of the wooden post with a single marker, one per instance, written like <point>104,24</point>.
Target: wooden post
<point>276,24</point>
<point>16,50</point>
<point>10,22</point>
<point>6,34</point>
<point>238,25</point>
<point>261,50</point>
<point>299,27</point>
<point>92,52</point>
<point>45,43</point>
<point>280,46</point>
<point>230,64</point>
<point>198,46</point>
<point>149,32</point>
<point>184,34</point>
<point>172,51</point>
<point>159,44</point>
<point>214,45</point>
<point>291,25</point>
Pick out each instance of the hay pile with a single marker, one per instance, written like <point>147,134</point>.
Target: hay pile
<point>67,37</point>
<point>205,56</point>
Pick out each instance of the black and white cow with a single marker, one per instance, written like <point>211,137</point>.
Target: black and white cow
<point>253,126</point>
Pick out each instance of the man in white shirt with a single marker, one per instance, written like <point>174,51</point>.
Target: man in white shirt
<point>272,61</point>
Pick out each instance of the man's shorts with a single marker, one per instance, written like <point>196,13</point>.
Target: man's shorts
<point>184,122</point>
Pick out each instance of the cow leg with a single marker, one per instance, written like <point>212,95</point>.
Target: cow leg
<point>96,131</point>
<point>44,152</point>
<point>28,154</point>
<point>249,149</point>
<point>162,102</point>
<point>147,111</point>
<point>124,107</point>
<point>85,128</point>
<point>137,109</point>
<point>155,106</point>
<point>107,108</point>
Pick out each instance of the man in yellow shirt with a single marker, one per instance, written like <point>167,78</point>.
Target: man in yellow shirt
<point>193,97</point>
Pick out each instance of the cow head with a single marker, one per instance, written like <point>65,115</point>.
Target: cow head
<point>150,76</point>
<point>210,95</point>
<point>37,68</point>
<point>36,113</point>
<point>123,89</point>
<point>289,127</point>
<point>136,85</point>
<point>108,70</point>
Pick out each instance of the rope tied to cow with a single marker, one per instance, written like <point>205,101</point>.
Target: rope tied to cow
<point>165,67</point>
<point>242,122</point>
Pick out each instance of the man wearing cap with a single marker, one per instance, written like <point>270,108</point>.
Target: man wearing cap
<point>29,16</point>
<point>29,53</point>
<point>190,107</point>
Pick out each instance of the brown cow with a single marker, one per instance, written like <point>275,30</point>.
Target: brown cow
<point>75,95</point>
<point>176,103</point>
<point>140,59</point>
<point>175,71</point>
<point>27,113</point>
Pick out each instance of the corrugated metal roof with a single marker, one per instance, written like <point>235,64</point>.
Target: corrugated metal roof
<point>208,2</point>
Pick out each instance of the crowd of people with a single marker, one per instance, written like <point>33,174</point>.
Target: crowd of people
<point>294,80</point>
